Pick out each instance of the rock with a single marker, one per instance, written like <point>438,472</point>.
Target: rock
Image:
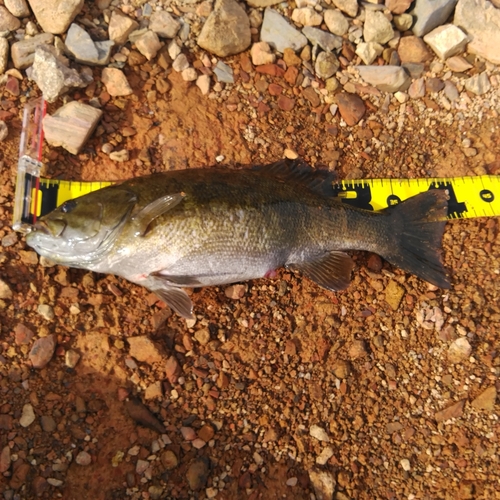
<point>453,411</point>
<point>42,351</point>
<point>458,64</point>
<point>350,7</point>
<point>120,27</point>
<point>261,54</point>
<point>336,22</point>
<point>143,349</point>
<point>5,422</point>
<point>311,95</point>
<point>369,51</point>
<point>12,86</point>
<point>23,334</point>
<point>197,474</point>
<point>323,484</point>
<point>341,369</point>
<point>48,423</point>
<point>433,85</point>
<point>172,369</point>
<point>403,22</point>
<point>325,455</point>
<point>351,107</point>
<point>319,433</point>
<point>227,29</point>
<point>189,75</point>
<point>120,156</point>
<point>325,40</point>
<point>40,485</point>
<point>84,49</point>
<point>51,74</point>
<point>385,78</point>
<point>23,52</point>
<point>206,433</point>
<point>180,63</point>
<point>398,6</point>
<point>394,294</point>
<point>55,482</point>
<point>71,126</point>
<point>459,350</point>
<point>357,349</point>
<point>5,291</point>
<point>188,433</point>
<point>223,72</point>
<point>417,89</point>
<point>286,103</point>
<point>202,336</point>
<point>169,460</point>
<point>478,84</point>
<point>326,65</point>
<point>18,8</point>
<point>451,91</point>
<point>486,400</point>
<point>412,49</point>
<point>5,459</point>
<point>429,14</point>
<point>148,44</point>
<point>446,41</point>
<point>163,24</point>
<point>54,16</point>
<point>8,22</point>
<point>140,414</point>
<point>262,3</point>
<point>71,358</point>
<point>481,21</point>
<point>377,27</point>
<point>306,16</point>
<point>27,416</point>
<point>116,82</point>
<point>153,391</point>
<point>203,83</point>
<point>83,458</point>
<point>279,34</point>
<point>4,54</point>
<point>235,292</point>
<point>20,475</point>
<point>405,464</point>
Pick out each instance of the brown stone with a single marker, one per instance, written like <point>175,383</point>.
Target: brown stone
<point>172,369</point>
<point>291,74</point>
<point>486,400</point>
<point>310,94</point>
<point>40,485</point>
<point>20,474</point>
<point>142,348</point>
<point>206,433</point>
<point>286,103</point>
<point>412,49</point>
<point>270,69</point>
<point>291,58</point>
<point>5,422</point>
<point>275,89</point>
<point>453,411</point>
<point>23,334</point>
<point>42,351</point>
<point>398,6</point>
<point>351,108</point>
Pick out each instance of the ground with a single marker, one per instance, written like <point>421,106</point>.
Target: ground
<point>370,366</point>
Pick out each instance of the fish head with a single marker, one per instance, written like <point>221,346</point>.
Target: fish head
<point>80,231</point>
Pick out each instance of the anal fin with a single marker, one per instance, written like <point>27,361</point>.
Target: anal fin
<point>331,270</point>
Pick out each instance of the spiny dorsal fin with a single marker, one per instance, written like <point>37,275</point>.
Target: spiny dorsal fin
<point>154,209</point>
<point>331,270</point>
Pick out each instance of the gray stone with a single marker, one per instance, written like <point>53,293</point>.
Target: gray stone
<point>227,29</point>
<point>148,44</point>
<point>377,27</point>
<point>450,91</point>
<point>325,40</point>
<point>180,63</point>
<point>350,7</point>
<point>403,22</point>
<point>85,50</point>
<point>415,70</point>
<point>481,21</point>
<point>8,22</point>
<point>478,84</point>
<point>223,72</point>
<point>18,8</point>
<point>369,51</point>
<point>51,74</point>
<point>120,27</point>
<point>54,16</point>
<point>164,25</point>
<point>326,65</point>
<point>336,22</point>
<point>279,33</point>
<point>4,54</point>
<point>71,126</point>
<point>446,41</point>
<point>430,14</point>
<point>385,78</point>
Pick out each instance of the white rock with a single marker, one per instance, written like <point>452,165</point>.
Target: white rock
<point>5,291</point>
<point>148,44</point>
<point>120,156</point>
<point>377,27</point>
<point>307,17</point>
<point>173,49</point>
<point>325,455</point>
<point>203,83</point>
<point>4,54</point>
<point>261,54</point>
<point>18,8</point>
<point>336,22</point>
<point>279,34</point>
<point>478,84</point>
<point>405,463</point>
<point>163,24</point>
<point>116,82</point>
<point>369,51</point>
<point>54,16</point>
<point>459,350</point>
<point>4,132</point>
<point>319,433</point>
<point>350,7</point>
<point>23,52</point>
<point>323,483</point>
<point>120,27</point>
<point>446,41</point>
<point>180,63</point>
<point>8,22</point>
<point>28,416</point>
<point>189,75</point>
<point>385,78</point>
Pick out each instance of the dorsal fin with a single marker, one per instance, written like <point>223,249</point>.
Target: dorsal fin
<point>299,172</point>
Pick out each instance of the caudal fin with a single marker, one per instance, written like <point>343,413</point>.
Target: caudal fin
<point>416,229</point>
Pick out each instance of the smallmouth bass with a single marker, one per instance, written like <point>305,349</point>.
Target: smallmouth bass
<point>205,227</point>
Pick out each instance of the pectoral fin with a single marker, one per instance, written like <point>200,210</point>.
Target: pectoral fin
<point>177,299</point>
<point>144,217</point>
<point>331,270</point>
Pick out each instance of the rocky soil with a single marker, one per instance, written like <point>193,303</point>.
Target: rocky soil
<point>278,389</point>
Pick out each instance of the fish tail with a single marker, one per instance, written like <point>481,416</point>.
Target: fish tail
<point>415,229</point>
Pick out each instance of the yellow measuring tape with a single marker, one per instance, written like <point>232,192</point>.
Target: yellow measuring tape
<point>468,196</point>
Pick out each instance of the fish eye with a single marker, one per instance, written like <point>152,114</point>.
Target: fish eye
<point>68,206</point>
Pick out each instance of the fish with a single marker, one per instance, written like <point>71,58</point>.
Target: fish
<point>214,226</point>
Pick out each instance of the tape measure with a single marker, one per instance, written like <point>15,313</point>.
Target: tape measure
<point>468,196</point>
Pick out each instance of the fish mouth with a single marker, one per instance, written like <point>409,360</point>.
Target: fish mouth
<point>54,229</point>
